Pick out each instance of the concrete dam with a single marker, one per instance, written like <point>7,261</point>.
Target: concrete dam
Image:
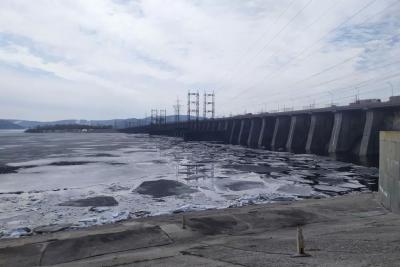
<point>352,129</point>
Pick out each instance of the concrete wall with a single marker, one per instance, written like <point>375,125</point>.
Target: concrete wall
<point>389,170</point>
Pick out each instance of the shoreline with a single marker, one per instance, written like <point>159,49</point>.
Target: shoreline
<point>350,230</point>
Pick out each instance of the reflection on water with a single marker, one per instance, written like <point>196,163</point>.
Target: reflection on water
<point>153,175</point>
<point>319,174</point>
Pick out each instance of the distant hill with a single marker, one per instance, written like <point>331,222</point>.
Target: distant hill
<point>5,124</point>
<point>116,123</point>
<point>32,124</point>
<point>70,128</point>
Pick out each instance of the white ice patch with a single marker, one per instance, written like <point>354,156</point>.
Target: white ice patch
<point>331,188</point>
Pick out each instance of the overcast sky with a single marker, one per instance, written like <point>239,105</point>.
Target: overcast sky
<point>99,59</point>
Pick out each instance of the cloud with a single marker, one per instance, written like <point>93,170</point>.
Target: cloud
<point>120,58</point>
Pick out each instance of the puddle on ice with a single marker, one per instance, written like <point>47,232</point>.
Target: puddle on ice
<point>58,181</point>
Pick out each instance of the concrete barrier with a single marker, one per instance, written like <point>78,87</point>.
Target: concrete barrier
<point>389,170</point>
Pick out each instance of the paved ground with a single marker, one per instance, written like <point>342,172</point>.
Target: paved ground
<point>352,230</point>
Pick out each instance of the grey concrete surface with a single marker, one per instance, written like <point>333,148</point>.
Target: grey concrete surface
<point>389,171</point>
<point>352,230</point>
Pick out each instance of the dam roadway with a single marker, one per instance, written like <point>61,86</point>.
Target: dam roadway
<point>352,130</point>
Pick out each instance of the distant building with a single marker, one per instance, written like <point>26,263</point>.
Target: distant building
<point>394,98</point>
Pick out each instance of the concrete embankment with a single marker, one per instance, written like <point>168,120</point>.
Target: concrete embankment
<point>353,230</point>
<point>389,172</point>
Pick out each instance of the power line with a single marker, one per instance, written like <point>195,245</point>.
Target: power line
<point>352,74</point>
<point>336,79</point>
<point>305,28</point>
<point>334,66</point>
<point>240,61</point>
<point>335,100</point>
<point>313,44</point>
<point>277,34</point>
<point>328,69</point>
<point>352,86</point>
<point>358,85</point>
<point>359,93</point>
<point>339,78</point>
<point>312,23</point>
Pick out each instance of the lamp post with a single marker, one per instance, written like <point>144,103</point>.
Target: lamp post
<point>391,86</point>
<point>331,94</point>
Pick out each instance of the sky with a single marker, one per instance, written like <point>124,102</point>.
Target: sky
<point>106,59</point>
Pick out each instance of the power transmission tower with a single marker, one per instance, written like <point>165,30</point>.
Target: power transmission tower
<point>177,109</point>
<point>154,117</point>
<point>194,102</point>
<point>209,105</point>
<point>204,105</point>
<point>163,116</point>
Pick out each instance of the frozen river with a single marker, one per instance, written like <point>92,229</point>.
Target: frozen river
<point>76,180</point>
